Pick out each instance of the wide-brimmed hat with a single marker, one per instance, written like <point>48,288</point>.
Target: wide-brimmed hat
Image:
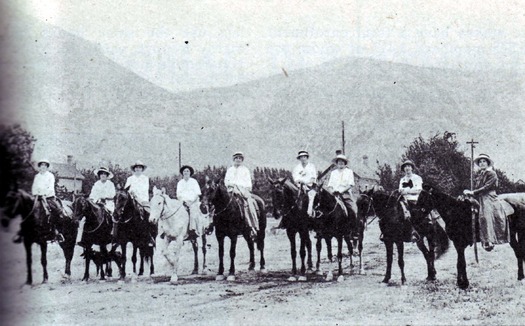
<point>105,170</point>
<point>238,154</point>
<point>192,171</point>
<point>138,163</point>
<point>341,157</point>
<point>483,156</point>
<point>44,160</point>
<point>302,153</point>
<point>408,162</point>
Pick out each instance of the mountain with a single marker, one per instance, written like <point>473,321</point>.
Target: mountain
<point>77,101</point>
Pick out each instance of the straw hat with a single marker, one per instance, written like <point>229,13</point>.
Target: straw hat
<point>44,160</point>
<point>105,170</point>
<point>341,157</point>
<point>302,153</point>
<point>485,157</point>
<point>238,154</point>
<point>192,171</point>
<point>407,162</point>
<point>138,163</point>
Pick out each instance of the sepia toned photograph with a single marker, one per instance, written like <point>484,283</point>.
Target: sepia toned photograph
<point>298,162</point>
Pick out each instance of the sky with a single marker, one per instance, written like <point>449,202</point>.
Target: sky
<point>186,45</point>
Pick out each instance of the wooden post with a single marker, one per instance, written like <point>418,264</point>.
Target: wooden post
<point>343,136</point>
<point>474,238</point>
<point>180,158</point>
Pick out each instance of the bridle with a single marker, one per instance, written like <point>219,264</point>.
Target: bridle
<point>164,205</point>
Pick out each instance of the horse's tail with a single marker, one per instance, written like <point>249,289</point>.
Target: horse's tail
<point>441,240</point>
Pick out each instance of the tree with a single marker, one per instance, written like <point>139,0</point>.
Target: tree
<point>16,148</point>
<point>440,162</point>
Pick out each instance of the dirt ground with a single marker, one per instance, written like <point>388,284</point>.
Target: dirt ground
<point>494,298</point>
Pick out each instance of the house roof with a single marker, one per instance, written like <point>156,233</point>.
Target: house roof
<point>66,171</point>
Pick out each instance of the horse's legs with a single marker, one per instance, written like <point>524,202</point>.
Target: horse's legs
<point>340,254</point>
<point>328,241</point>
<point>87,257</point>
<point>195,247</point>
<point>293,250</point>
<point>360,249</point>
<point>233,246</point>
<point>220,241</point>
<point>517,242</point>
<point>204,266</point>
<point>123,246</point>
<point>308,250</point>
<point>143,252</point>
<point>68,249</point>
<point>43,260</point>
<point>302,252</point>
<point>350,246</point>
<point>105,261</point>
<point>176,255</point>
<point>134,258</point>
<point>389,245</point>
<point>318,247</point>
<point>462,280</point>
<point>251,249</point>
<point>429,256</point>
<point>27,246</point>
<point>260,246</point>
<point>400,261</point>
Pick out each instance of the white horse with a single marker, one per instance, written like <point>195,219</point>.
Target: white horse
<point>173,222</point>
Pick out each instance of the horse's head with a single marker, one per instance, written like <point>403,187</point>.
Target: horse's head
<point>122,199</point>
<point>80,208</point>
<point>425,200</point>
<point>214,192</point>
<point>157,205</point>
<point>278,196</point>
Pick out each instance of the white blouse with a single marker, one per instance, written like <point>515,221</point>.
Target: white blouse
<point>188,190</point>
<point>44,184</point>
<point>139,186</point>
<point>340,180</point>
<point>238,176</point>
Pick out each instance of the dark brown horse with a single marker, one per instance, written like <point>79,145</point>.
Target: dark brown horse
<point>36,228</point>
<point>457,214</point>
<point>396,229</point>
<point>333,222</point>
<point>133,226</point>
<point>97,231</point>
<point>229,222</point>
<point>292,207</point>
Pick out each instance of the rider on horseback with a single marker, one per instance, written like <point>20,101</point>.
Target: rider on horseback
<point>188,191</point>
<point>239,181</point>
<point>44,190</point>
<point>103,194</point>
<point>410,186</point>
<point>138,185</point>
<point>305,176</point>
<point>341,182</point>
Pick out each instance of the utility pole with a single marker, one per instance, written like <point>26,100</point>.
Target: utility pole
<point>180,158</point>
<point>343,136</point>
<point>472,144</point>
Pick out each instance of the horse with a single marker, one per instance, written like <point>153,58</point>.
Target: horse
<point>36,228</point>
<point>229,221</point>
<point>395,227</point>
<point>457,214</point>
<point>173,222</point>
<point>97,231</point>
<point>333,221</point>
<point>132,225</point>
<point>517,228</point>
<point>292,207</point>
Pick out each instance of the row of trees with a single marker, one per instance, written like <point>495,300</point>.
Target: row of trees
<point>440,162</point>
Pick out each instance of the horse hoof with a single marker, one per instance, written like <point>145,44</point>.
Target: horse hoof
<point>340,278</point>
<point>195,272</point>
<point>301,278</point>
<point>362,271</point>
<point>329,277</point>
<point>219,277</point>
<point>292,279</point>
<point>101,281</point>
<point>174,279</point>
<point>319,272</point>
<point>264,271</point>
<point>230,278</point>
<point>66,277</point>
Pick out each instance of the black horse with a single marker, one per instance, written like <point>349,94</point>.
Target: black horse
<point>292,207</point>
<point>457,214</point>
<point>517,228</point>
<point>229,222</point>
<point>36,228</point>
<point>97,231</point>
<point>132,225</point>
<point>396,229</point>
<point>333,222</point>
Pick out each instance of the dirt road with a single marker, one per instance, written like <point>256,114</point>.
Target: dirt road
<point>495,296</point>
